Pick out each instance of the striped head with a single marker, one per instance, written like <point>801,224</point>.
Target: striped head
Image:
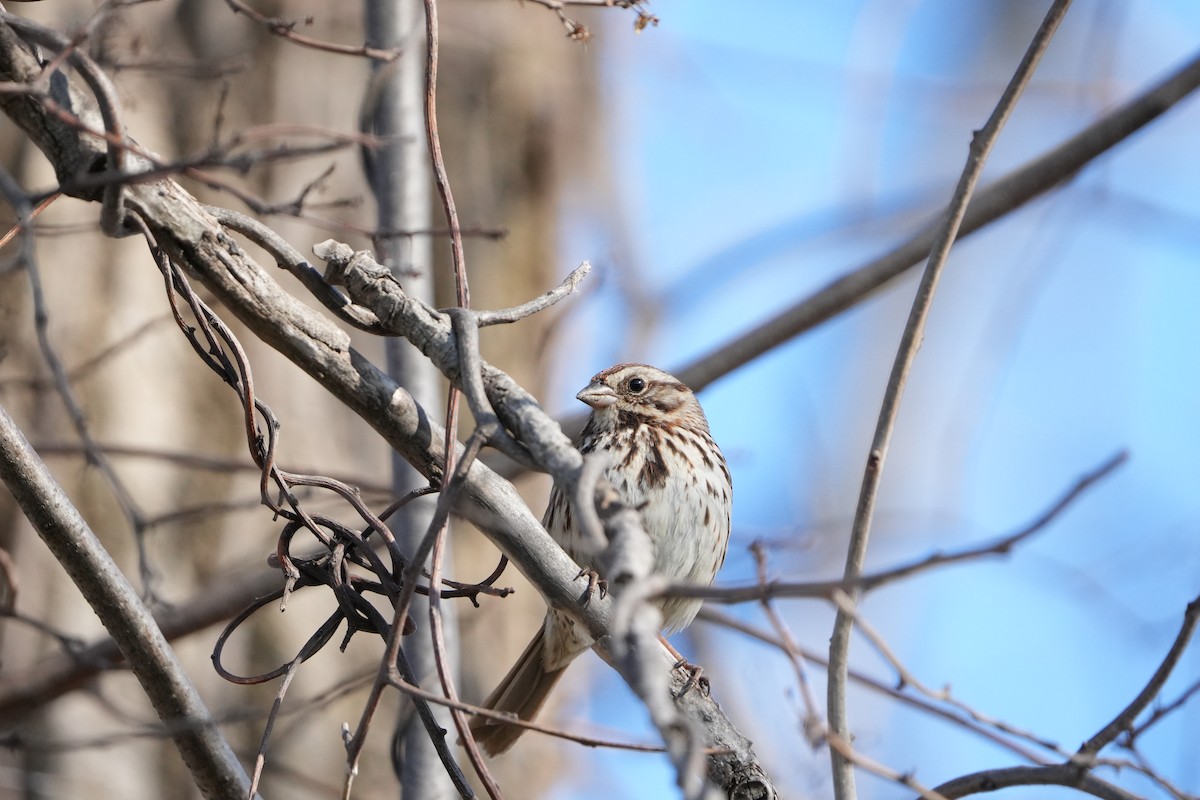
<point>627,395</point>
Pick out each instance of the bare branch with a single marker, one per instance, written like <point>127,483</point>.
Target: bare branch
<point>1076,772</point>
<point>628,561</point>
<point>1058,775</point>
<point>568,287</point>
<point>287,30</point>
<point>440,178</point>
<point>910,340</point>
<point>1123,722</point>
<point>990,203</point>
<point>208,756</point>
<point>767,589</point>
<point>813,724</point>
<point>971,724</point>
<point>62,384</point>
<point>112,214</point>
<point>289,258</point>
<point>579,32</point>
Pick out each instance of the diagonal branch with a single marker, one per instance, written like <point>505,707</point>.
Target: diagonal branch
<point>768,589</point>
<point>910,340</point>
<point>992,202</point>
<point>1124,721</point>
<point>212,763</point>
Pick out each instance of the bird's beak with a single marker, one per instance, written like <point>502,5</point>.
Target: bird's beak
<point>597,395</point>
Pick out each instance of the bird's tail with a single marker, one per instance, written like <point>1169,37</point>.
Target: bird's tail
<point>523,692</point>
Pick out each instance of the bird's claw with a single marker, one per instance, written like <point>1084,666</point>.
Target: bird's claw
<point>696,679</point>
<point>594,583</point>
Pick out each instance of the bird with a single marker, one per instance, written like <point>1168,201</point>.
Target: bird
<point>663,462</point>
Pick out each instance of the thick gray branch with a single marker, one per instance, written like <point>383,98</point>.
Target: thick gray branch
<point>151,659</point>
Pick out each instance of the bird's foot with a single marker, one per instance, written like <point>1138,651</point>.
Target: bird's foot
<point>594,583</point>
<point>696,678</point>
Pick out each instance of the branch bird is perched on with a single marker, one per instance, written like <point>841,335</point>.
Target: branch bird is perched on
<point>662,462</point>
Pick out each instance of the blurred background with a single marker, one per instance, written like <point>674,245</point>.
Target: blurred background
<point>715,168</point>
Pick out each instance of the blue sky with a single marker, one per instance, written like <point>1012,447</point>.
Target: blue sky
<point>760,151</point>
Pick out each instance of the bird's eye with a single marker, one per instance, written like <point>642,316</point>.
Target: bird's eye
<point>636,385</point>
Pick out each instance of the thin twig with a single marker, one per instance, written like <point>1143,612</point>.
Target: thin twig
<point>976,727</point>
<point>260,758</point>
<point>578,31</point>
<point>1162,711</point>
<point>846,751</point>
<point>488,428</point>
<point>394,655</point>
<point>395,670</point>
<point>907,678</point>
<point>981,145</point>
<point>453,475</point>
<point>762,590</point>
<point>62,384</point>
<point>287,30</point>
<point>112,216</point>
<point>1124,721</point>
<point>813,725</point>
<point>466,335</point>
<point>569,286</point>
<point>289,258</point>
<point>441,179</point>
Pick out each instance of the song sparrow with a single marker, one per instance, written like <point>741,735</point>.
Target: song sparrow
<point>663,462</point>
